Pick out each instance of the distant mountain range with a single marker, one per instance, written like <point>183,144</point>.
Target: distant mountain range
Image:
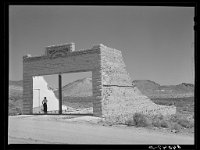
<point>83,88</point>
<point>154,90</point>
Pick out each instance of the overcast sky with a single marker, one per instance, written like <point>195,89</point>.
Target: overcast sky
<point>157,43</point>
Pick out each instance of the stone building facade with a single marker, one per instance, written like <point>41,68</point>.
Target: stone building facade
<point>113,92</point>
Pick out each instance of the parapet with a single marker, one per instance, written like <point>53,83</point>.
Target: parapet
<point>68,49</point>
<point>59,50</point>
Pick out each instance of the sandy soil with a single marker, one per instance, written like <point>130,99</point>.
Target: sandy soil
<point>55,129</point>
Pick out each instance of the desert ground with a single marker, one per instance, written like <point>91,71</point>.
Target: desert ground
<point>69,129</point>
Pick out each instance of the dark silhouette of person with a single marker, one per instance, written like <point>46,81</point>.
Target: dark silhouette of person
<point>44,102</point>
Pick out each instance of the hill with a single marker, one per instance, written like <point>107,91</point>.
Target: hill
<point>78,88</point>
<point>154,90</point>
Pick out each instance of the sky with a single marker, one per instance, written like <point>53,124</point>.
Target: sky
<point>157,42</point>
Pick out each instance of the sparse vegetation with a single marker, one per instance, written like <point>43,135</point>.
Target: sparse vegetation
<point>174,122</point>
<point>186,123</point>
<point>159,121</point>
<point>164,124</point>
<point>130,122</point>
<point>175,127</point>
<point>141,120</point>
<point>183,105</point>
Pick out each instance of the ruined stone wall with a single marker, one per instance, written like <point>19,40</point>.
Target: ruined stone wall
<point>125,101</point>
<point>113,68</point>
<point>120,97</point>
<point>113,92</point>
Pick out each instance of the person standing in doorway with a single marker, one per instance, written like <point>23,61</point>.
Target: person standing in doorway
<point>44,102</point>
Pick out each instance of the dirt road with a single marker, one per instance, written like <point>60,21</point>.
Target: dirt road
<point>46,129</point>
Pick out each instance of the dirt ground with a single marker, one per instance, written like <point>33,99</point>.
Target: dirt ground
<point>65,129</point>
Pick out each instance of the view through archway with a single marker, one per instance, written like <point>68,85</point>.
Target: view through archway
<point>76,93</point>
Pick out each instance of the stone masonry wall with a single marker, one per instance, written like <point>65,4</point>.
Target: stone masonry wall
<point>120,97</point>
<point>113,68</point>
<point>67,62</point>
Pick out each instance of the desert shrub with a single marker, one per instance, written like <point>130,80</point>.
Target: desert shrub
<point>140,120</point>
<point>160,121</point>
<point>182,121</point>
<point>175,126</point>
<point>164,123</point>
<point>130,122</point>
<point>185,123</point>
<point>174,122</point>
<point>158,116</point>
<point>174,118</point>
<point>156,122</point>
